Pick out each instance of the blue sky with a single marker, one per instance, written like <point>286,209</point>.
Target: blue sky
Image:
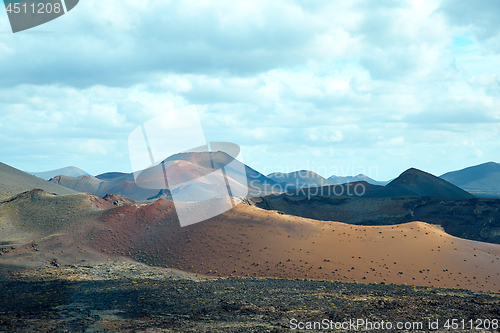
<point>336,87</point>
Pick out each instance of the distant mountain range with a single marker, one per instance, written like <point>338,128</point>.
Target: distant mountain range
<point>183,168</point>
<point>299,179</point>
<point>70,171</point>
<point>482,180</point>
<point>412,182</point>
<point>358,178</point>
<point>305,178</point>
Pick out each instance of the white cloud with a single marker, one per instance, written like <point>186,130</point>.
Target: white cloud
<point>93,146</point>
<point>335,137</point>
<point>469,144</point>
<point>399,141</point>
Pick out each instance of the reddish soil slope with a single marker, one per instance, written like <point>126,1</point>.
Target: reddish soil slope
<point>44,229</point>
<point>248,241</point>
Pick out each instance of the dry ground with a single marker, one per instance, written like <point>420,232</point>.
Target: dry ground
<point>122,296</point>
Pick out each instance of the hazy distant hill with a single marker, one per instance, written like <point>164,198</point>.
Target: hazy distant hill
<point>351,179</point>
<point>84,184</point>
<point>110,175</point>
<point>482,180</point>
<point>70,171</point>
<point>299,179</point>
<point>14,181</point>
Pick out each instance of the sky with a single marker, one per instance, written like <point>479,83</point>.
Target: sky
<point>335,87</point>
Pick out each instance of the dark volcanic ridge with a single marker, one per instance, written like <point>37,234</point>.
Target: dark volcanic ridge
<point>424,184</point>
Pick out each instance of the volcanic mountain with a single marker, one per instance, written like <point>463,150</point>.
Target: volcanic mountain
<point>424,184</point>
<point>481,180</point>
<point>14,181</point>
<point>299,179</point>
<point>43,229</point>
<point>188,173</point>
<point>68,171</point>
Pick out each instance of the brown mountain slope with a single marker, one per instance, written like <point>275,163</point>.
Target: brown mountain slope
<point>248,241</point>
<point>31,224</point>
<point>14,181</point>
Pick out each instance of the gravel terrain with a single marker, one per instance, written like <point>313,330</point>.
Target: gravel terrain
<point>123,296</point>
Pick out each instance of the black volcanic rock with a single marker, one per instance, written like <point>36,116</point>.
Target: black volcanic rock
<point>229,305</point>
<point>424,184</point>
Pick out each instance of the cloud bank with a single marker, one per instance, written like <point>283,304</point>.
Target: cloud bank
<point>351,85</point>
